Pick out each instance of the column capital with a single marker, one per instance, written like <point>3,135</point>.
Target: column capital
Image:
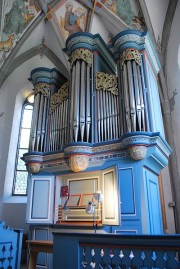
<point>141,41</point>
<point>92,43</point>
<point>46,75</point>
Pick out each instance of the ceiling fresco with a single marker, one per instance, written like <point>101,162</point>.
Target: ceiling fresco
<point>16,15</point>
<point>69,16</point>
<point>128,11</point>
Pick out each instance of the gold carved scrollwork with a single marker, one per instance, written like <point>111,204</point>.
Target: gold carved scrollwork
<point>107,82</point>
<point>82,54</point>
<point>130,54</point>
<point>59,97</point>
<point>42,88</point>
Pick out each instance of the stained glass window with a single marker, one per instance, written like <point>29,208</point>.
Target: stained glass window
<point>21,173</point>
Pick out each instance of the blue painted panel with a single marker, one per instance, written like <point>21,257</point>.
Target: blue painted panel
<point>101,65</point>
<point>39,211</point>
<point>10,247</point>
<point>40,202</point>
<point>41,234</point>
<point>126,232</point>
<point>127,191</point>
<point>154,197</point>
<point>154,205</point>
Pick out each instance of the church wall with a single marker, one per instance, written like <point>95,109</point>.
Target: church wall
<point>12,95</point>
<point>12,209</point>
<point>157,12</point>
<point>98,27</point>
<point>173,83</point>
<point>173,77</point>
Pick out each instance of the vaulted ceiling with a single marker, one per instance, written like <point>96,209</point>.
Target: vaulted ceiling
<point>33,33</point>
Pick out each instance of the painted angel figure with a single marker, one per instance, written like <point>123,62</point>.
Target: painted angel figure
<point>71,19</point>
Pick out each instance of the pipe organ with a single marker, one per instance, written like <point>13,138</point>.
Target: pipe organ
<point>99,132</point>
<point>96,105</point>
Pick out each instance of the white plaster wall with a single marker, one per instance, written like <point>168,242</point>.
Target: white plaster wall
<point>157,12</point>
<point>12,214</point>
<point>173,77</point>
<point>98,27</point>
<point>12,95</point>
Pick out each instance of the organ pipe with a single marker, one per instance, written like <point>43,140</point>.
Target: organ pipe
<point>87,102</point>
<point>76,102</point>
<point>82,101</point>
<point>132,91</point>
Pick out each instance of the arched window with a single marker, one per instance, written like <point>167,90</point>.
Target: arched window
<point>21,173</point>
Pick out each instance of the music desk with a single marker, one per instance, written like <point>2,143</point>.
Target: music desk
<point>36,246</point>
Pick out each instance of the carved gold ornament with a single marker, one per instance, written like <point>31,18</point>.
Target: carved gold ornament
<point>34,168</point>
<point>107,82</point>
<point>59,97</point>
<point>137,152</point>
<point>42,88</point>
<point>78,162</point>
<point>130,54</point>
<point>81,54</point>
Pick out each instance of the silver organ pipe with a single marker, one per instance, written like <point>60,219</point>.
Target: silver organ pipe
<point>113,115</point>
<point>76,102</point>
<point>82,101</point>
<point>45,107</point>
<point>104,116</point>
<point>49,139</point>
<point>110,116</point>
<point>116,109</point>
<point>60,125</point>
<point>58,128</point>
<point>101,115</point>
<point>65,141</point>
<point>133,96</point>
<point>57,119</point>
<point>34,122</point>
<point>87,102</point>
<point>126,100</point>
<point>137,95</point>
<point>107,115</point>
<point>39,133</point>
<point>39,117</point>
<point>121,105</point>
<point>72,96</point>
<point>141,96</point>
<point>98,116</point>
<point>52,123</point>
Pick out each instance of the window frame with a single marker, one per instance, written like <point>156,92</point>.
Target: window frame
<point>16,170</point>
